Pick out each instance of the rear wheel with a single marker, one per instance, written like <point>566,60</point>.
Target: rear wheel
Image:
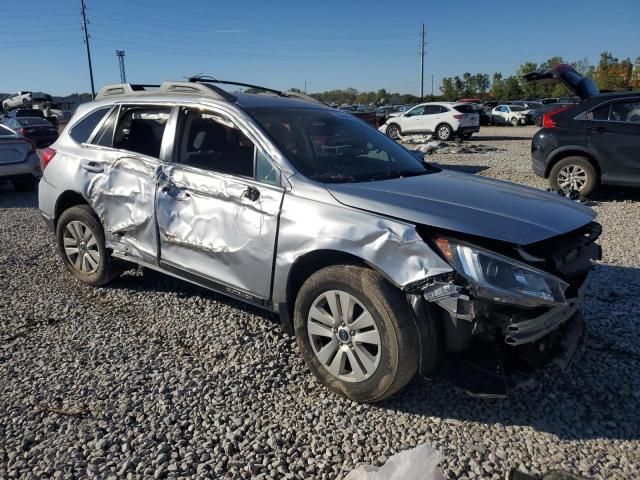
<point>81,244</point>
<point>444,132</point>
<point>356,333</point>
<point>574,173</point>
<point>466,136</point>
<point>393,131</point>
<point>515,122</point>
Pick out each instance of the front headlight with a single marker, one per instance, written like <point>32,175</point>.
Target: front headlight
<point>500,278</point>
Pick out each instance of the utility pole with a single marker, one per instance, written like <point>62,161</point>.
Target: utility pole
<point>422,63</point>
<point>86,41</point>
<point>431,85</point>
<point>123,75</point>
<point>305,87</point>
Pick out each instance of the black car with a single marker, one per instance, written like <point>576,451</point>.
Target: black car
<point>31,112</point>
<point>40,131</point>
<point>596,141</point>
<point>534,116</point>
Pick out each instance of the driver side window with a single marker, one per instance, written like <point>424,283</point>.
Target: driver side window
<point>416,111</point>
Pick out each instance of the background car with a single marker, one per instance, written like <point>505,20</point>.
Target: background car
<point>37,129</point>
<point>509,115</point>
<point>594,142</point>
<point>20,99</point>
<point>534,116</point>
<point>32,112</point>
<point>19,162</point>
<point>445,120</point>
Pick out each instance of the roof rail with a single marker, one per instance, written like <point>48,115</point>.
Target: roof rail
<point>124,89</point>
<point>206,79</point>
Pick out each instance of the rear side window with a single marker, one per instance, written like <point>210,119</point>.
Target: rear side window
<point>601,113</point>
<point>464,108</point>
<point>83,129</point>
<point>140,129</point>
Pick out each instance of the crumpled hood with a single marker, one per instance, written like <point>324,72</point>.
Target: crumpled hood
<point>468,204</point>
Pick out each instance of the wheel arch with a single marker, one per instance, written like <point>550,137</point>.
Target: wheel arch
<point>305,266</point>
<point>435,130</point>
<point>66,200</point>
<point>562,153</point>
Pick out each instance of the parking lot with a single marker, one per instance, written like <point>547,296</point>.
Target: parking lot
<point>153,377</point>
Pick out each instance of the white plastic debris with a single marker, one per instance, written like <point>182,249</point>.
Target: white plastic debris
<point>419,463</point>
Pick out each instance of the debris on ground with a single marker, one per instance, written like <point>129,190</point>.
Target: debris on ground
<point>419,463</point>
<point>432,146</point>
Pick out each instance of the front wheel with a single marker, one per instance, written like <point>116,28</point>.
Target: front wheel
<point>574,173</point>
<point>443,132</point>
<point>81,244</point>
<point>514,122</point>
<point>393,131</point>
<point>356,332</point>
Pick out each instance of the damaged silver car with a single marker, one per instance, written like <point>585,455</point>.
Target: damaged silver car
<point>381,265</point>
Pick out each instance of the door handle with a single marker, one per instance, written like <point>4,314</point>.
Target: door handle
<point>92,167</point>
<point>251,193</point>
<point>175,192</point>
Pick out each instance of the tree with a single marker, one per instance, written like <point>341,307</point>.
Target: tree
<point>448,89</point>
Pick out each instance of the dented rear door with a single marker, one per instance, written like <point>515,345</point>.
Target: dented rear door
<point>217,207</point>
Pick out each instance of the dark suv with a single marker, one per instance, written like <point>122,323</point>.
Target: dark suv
<point>596,141</point>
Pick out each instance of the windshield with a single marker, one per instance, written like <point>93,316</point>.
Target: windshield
<point>336,147</point>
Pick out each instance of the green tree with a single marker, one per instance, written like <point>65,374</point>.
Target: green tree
<point>448,89</point>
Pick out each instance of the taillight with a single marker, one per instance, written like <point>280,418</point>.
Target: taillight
<point>459,117</point>
<point>47,156</point>
<point>547,118</point>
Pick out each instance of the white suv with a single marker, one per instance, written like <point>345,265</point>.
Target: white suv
<point>442,119</point>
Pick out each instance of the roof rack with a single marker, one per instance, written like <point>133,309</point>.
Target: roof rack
<point>124,89</point>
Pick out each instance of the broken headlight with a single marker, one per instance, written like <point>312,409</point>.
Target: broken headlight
<point>500,278</point>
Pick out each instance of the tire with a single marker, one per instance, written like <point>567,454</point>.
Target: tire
<point>514,122</point>
<point>443,132</point>
<point>466,136</point>
<point>25,102</point>
<point>26,184</point>
<point>538,121</point>
<point>378,372</point>
<point>393,131</point>
<point>99,267</point>
<point>574,173</point>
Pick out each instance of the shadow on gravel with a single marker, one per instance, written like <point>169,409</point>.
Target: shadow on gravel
<point>615,194</point>
<point>9,198</point>
<point>462,168</point>
<point>597,397</point>
<point>498,138</point>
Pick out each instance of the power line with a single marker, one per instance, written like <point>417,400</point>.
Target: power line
<point>422,63</point>
<point>86,41</point>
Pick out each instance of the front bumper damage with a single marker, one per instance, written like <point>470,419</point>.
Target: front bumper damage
<point>491,346</point>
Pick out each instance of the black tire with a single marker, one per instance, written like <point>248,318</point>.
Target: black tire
<point>514,122</point>
<point>444,131</point>
<point>393,131</point>
<point>577,163</point>
<point>538,121</point>
<point>466,136</point>
<point>399,348</point>
<point>28,184</point>
<point>107,268</point>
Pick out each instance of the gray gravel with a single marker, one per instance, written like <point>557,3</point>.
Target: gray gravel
<point>153,378</point>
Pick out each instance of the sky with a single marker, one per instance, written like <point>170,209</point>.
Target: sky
<point>330,44</point>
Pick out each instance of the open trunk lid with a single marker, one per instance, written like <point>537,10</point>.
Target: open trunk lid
<point>583,87</point>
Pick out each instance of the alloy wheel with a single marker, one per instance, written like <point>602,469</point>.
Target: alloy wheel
<point>81,247</point>
<point>572,177</point>
<point>393,132</point>
<point>344,336</point>
<point>444,133</point>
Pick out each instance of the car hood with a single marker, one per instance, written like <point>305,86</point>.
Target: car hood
<point>583,87</point>
<point>395,114</point>
<point>468,204</point>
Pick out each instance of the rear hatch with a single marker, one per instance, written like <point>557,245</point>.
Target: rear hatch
<point>470,116</point>
<point>583,87</point>
<point>13,149</point>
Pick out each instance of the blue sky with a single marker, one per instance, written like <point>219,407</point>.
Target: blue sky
<point>330,44</point>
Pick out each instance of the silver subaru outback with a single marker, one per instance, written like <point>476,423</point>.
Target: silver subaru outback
<point>381,265</point>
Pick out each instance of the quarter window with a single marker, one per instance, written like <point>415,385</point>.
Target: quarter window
<point>81,131</point>
<point>104,136</point>
<point>140,129</point>
<point>628,112</point>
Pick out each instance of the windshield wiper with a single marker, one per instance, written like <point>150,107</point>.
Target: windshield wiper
<point>395,174</point>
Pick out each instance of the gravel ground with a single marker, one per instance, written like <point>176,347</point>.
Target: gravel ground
<point>150,377</point>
